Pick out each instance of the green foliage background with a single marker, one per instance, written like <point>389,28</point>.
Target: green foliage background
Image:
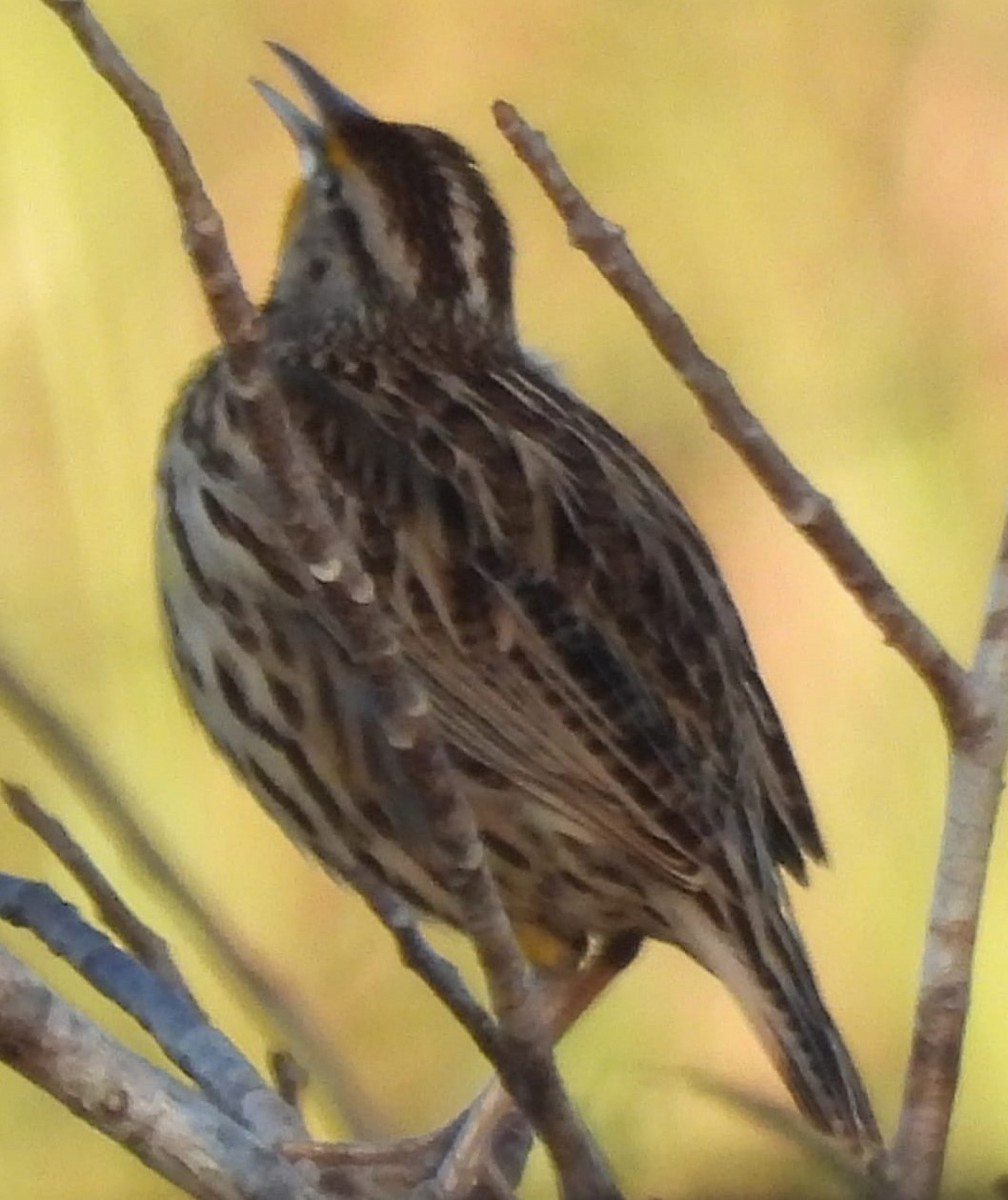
<point>822,187</point>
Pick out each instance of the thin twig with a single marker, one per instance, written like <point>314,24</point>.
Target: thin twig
<point>289,1077</point>
<point>235,317</point>
<point>138,937</point>
<point>66,750</point>
<point>808,510</point>
<point>972,802</point>
<point>565,1000</point>
<point>222,1073</point>
<point>408,1165</point>
<point>490,1138</point>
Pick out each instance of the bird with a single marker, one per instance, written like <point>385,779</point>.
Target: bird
<point>591,681</point>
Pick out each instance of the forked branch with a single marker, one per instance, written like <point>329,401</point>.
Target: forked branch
<point>193,1143</point>
<point>976,780</point>
<point>166,1124</point>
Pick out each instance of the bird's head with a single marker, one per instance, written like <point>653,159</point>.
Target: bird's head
<point>392,230</point>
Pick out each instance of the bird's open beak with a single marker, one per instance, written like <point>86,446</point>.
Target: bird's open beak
<point>331,105</point>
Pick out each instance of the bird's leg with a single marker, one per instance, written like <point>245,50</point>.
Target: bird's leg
<point>565,998</point>
<point>489,1141</point>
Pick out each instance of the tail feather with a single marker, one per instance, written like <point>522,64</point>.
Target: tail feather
<point>763,962</point>
<point>812,1059</point>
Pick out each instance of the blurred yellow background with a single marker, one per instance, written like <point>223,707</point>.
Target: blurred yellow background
<point>821,186</point>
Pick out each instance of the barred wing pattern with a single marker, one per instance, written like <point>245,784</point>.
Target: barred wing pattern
<point>592,680</point>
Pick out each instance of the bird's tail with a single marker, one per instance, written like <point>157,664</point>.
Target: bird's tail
<point>764,964</point>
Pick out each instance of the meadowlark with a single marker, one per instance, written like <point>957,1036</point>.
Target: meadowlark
<point>597,696</point>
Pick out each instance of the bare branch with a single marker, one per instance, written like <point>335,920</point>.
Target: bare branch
<point>490,1139</point>
<point>235,317</point>
<point>139,938</point>
<point>409,1165</point>
<point>972,802</point>
<point>169,1126</point>
<point>111,803</point>
<point>228,1080</point>
<point>808,510</point>
<point>471,1155</point>
<point>180,1029</point>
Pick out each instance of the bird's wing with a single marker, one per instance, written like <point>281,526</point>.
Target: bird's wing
<point>565,613</point>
